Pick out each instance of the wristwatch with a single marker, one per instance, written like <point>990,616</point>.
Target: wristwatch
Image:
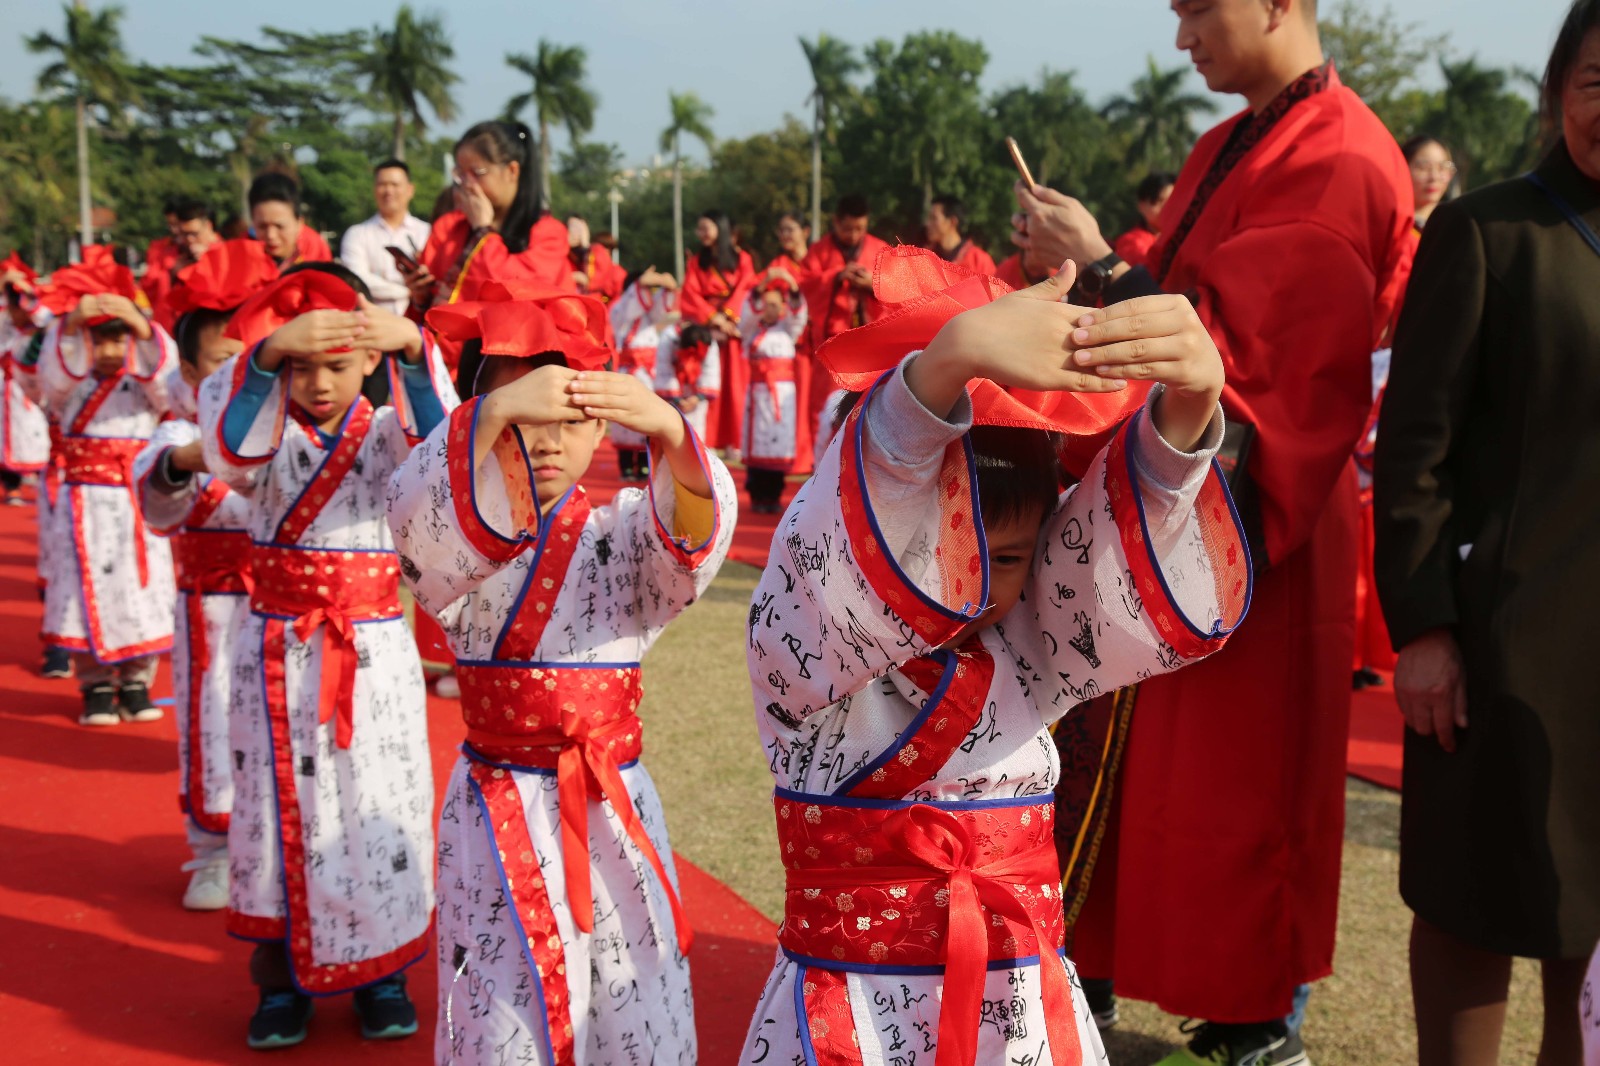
<point>1097,275</point>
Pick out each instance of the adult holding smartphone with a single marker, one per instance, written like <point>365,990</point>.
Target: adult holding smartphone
<point>365,247</point>
<point>1488,541</point>
<point>499,228</point>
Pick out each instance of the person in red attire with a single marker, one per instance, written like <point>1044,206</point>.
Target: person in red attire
<point>163,251</point>
<point>716,281</point>
<point>794,240</point>
<point>943,225</point>
<point>193,232</point>
<point>1291,228</point>
<point>836,280</point>
<point>499,227</point>
<point>1151,196</point>
<point>275,219</point>
<point>594,272</point>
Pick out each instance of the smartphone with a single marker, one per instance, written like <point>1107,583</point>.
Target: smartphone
<point>1021,164</point>
<point>406,264</point>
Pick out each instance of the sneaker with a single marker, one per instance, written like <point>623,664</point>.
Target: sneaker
<point>1365,678</point>
<point>1100,994</point>
<point>280,1019</point>
<point>137,705</point>
<point>385,1009</point>
<point>447,687</point>
<point>1259,1044</point>
<point>57,663</point>
<point>208,885</point>
<point>99,706</point>
<point>14,498</point>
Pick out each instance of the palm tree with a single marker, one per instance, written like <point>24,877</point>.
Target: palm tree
<point>1159,117</point>
<point>690,115</point>
<point>560,94</point>
<point>91,70</point>
<point>832,63</point>
<point>407,67</point>
<point>1490,128</point>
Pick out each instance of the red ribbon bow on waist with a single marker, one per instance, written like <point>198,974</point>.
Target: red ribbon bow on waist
<point>337,691</point>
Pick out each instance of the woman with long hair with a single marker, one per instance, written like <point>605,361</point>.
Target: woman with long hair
<point>499,227</point>
<point>1433,171</point>
<point>716,281</point>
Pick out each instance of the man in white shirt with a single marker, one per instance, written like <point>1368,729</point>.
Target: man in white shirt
<point>364,248</point>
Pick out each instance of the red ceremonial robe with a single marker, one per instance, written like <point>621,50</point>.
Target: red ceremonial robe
<point>310,247</point>
<point>834,306</point>
<point>1221,893</point>
<point>606,279</point>
<point>460,271</point>
<point>970,257</point>
<point>159,259</point>
<point>705,291</point>
<point>1134,246</point>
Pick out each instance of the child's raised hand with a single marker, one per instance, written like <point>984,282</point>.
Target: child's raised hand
<point>537,398</point>
<point>624,399</point>
<point>310,334</point>
<point>386,331</point>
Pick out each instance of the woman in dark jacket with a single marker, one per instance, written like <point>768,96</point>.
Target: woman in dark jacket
<point>1488,560</point>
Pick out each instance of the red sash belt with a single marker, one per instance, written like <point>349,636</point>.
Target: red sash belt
<point>770,372</point>
<point>316,587</point>
<point>212,561</point>
<point>918,885</point>
<point>109,461</point>
<point>583,724</point>
<point>631,359</point>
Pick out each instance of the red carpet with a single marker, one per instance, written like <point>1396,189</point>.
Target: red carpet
<point>100,964</point>
<point>1377,734</point>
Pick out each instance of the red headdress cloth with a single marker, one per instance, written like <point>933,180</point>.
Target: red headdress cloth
<point>285,299</point>
<point>923,292</point>
<point>520,319</point>
<point>228,274</point>
<point>780,283</point>
<point>13,262</point>
<point>98,273</point>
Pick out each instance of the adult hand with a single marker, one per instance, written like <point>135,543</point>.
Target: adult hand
<point>1053,227</point>
<point>420,283</point>
<point>1431,686</point>
<point>474,203</point>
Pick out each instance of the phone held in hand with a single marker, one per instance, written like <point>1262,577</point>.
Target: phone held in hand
<point>1021,164</point>
<point>406,264</point>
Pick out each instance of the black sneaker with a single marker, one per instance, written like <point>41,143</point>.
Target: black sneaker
<point>1101,994</point>
<point>137,705</point>
<point>385,1009</point>
<point>280,1019</point>
<point>1259,1044</point>
<point>1365,678</point>
<point>57,663</point>
<point>99,706</point>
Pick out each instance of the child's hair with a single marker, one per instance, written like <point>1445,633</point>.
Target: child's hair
<point>191,325</point>
<point>470,372</point>
<point>277,188</point>
<point>110,330</point>
<point>511,142</point>
<point>722,254</point>
<point>1018,470</point>
<point>338,270</point>
<point>694,335</point>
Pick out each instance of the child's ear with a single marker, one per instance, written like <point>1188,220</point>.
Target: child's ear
<point>373,359</point>
<point>189,372</point>
<point>599,430</point>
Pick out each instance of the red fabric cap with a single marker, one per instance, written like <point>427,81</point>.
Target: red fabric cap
<point>14,262</point>
<point>227,275</point>
<point>288,298</point>
<point>521,319</point>
<point>98,273</point>
<point>777,283</point>
<point>922,292</point>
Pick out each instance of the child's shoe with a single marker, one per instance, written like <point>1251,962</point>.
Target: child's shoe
<point>208,886</point>
<point>385,1009</point>
<point>280,1019</point>
<point>447,687</point>
<point>137,705</point>
<point>57,663</point>
<point>99,706</point>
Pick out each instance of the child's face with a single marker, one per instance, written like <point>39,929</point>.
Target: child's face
<point>326,384</point>
<point>772,307</point>
<point>214,350</point>
<point>560,454</point>
<point>110,350</point>
<point>1012,544</point>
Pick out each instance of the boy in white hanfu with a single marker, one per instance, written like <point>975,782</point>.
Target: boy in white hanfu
<point>689,371</point>
<point>330,839</point>
<point>647,308</point>
<point>773,322</point>
<point>207,525</point>
<point>103,372</point>
<point>24,432</point>
<point>933,603</point>
<point>561,935</point>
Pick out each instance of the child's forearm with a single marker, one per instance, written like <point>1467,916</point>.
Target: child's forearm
<point>683,459</point>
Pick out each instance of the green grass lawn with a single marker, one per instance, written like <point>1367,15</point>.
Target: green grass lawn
<point>702,750</point>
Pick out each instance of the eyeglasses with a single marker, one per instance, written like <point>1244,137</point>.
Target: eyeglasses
<point>459,176</point>
<point>1446,169</point>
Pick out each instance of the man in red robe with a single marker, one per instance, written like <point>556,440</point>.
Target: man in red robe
<point>836,279</point>
<point>943,225</point>
<point>1290,227</point>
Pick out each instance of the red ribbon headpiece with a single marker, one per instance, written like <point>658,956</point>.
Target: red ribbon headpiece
<point>519,319</point>
<point>227,275</point>
<point>286,299</point>
<point>98,273</point>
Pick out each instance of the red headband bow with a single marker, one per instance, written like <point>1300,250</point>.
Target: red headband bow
<point>777,283</point>
<point>286,299</point>
<point>98,273</point>
<point>924,292</point>
<point>520,319</point>
<point>227,275</point>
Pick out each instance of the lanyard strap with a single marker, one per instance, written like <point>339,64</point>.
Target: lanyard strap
<point>1590,237</point>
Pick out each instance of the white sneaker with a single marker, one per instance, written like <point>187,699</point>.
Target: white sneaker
<point>208,887</point>
<point>447,687</point>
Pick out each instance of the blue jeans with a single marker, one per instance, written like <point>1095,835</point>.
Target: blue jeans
<point>1297,1017</point>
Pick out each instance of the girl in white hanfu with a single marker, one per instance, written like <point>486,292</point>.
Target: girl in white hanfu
<point>562,939</point>
<point>933,603</point>
<point>24,432</point>
<point>689,371</point>
<point>330,840</point>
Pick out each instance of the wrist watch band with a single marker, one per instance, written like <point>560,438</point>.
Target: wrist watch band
<point>1097,275</point>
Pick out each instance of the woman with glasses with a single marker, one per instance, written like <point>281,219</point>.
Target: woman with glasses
<point>1432,173</point>
<point>499,228</point>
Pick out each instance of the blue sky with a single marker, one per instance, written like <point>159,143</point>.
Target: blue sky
<point>742,57</point>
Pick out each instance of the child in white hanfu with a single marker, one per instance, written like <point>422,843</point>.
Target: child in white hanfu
<point>24,432</point>
<point>689,371</point>
<point>330,841</point>
<point>561,935</point>
<point>647,308</point>
<point>773,322</point>
<point>933,603</point>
